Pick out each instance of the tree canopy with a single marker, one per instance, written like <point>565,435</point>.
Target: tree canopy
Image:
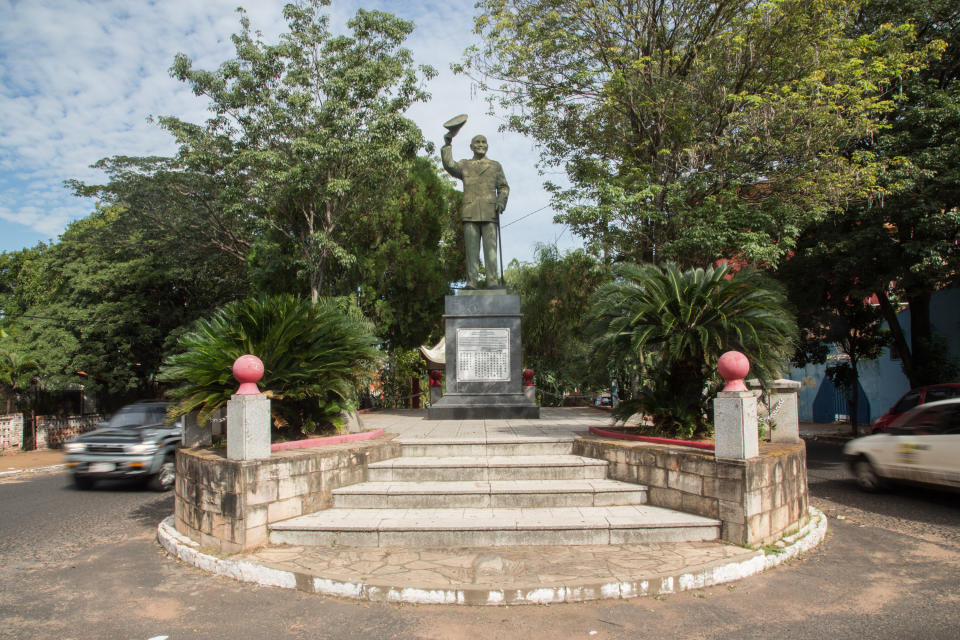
<point>693,130</point>
<point>307,136</point>
<point>101,306</point>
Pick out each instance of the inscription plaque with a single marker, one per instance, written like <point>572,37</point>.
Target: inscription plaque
<point>483,355</point>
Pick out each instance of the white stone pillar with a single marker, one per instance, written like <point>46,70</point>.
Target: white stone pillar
<point>194,433</point>
<point>784,413</point>
<point>735,411</point>
<point>248,427</point>
<point>735,425</point>
<point>248,413</point>
<point>436,385</point>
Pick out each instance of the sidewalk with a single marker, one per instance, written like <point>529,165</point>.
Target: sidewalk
<point>839,432</point>
<point>14,461</point>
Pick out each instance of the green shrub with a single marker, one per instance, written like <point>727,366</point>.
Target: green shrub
<point>314,357</point>
<point>673,325</point>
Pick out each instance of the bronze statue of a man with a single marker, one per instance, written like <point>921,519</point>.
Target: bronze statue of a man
<point>485,192</point>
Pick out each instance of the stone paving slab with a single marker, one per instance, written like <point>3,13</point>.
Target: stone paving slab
<point>411,427</point>
<point>459,462</point>
<point>624,516</point>
<point>489,486</point>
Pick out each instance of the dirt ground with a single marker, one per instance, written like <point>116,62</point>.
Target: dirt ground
<point>16,460</point>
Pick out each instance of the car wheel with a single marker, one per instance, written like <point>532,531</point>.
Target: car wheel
<point>83,483</point>
<point>867,478</point>
<point>163,479</point>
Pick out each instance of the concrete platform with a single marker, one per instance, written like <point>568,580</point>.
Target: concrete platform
<point>498,552</point>
<point>500,575</point>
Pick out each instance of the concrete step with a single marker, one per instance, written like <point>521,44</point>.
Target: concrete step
<point>439,448</point>
<point>493,527</point>
<point>475,468</point>
<point>486,493</point>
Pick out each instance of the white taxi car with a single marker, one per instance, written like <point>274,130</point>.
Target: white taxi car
<point>921,446</point>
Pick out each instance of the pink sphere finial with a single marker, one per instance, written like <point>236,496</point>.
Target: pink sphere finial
<point>248,370</point>
<point>734,367</point>
<point>528,377</point>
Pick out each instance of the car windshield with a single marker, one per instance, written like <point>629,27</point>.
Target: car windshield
<point>137,415</point>
<point>928,421</point>
<point>907,402</point>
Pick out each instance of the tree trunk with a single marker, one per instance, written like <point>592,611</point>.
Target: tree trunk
<point>854,398</point>
<point>899,339</point>
<point>921,334</point>
<point>415,390</point>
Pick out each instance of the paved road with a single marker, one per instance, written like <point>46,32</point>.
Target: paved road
<point>86,565</point>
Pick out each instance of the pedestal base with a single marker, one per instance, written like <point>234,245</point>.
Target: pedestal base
<point>463,406</point>
<point>483,358</point>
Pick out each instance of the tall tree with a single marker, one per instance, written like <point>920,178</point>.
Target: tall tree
<point>693,129</point>
<point>909,241</point>
<point>827,285</point>
<point>107,300</point>
<point>556,290</point>
<point>407,256</point>
<point>307,135</point>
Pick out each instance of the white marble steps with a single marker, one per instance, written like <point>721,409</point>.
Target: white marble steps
<point>493,527</point>
<point>489,493</point>
<point>528,446</point>
<point>475,468</point>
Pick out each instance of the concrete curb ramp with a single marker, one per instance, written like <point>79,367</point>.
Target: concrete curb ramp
<point>524,586</point>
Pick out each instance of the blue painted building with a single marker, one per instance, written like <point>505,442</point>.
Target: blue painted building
<point>882,381</point>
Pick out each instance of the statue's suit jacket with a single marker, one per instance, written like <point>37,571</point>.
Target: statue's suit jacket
<point>484,186</point>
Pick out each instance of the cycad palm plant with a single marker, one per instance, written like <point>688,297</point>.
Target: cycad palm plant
<point>314,356</point>
<point>674,325</point>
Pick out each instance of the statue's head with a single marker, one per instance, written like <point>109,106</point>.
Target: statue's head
<point>479,146</point>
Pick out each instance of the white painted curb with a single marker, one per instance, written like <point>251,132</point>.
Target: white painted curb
<point>809,536</point>
<point>16,472</point>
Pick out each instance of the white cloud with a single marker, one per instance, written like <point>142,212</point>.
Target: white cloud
<point>79,80</point>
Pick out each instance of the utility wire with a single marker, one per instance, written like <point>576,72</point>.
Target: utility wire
<point>526,216</point>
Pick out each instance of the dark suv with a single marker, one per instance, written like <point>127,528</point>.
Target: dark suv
<point>134,443</point>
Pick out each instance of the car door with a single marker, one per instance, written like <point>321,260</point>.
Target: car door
<point>939,458</point>
<point>924,446</point>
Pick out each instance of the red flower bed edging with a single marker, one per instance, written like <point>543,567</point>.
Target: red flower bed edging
<point>318,442</point>
<point>629,436</point>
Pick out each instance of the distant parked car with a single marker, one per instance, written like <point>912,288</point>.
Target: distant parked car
<point>921,446</point>
<point>914,398</point>
<point>134,443</point>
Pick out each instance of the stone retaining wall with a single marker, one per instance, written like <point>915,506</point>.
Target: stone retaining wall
<point>11,431</point>
<point>226,505</point>
<point>758,499</point>
<point>53,431</point>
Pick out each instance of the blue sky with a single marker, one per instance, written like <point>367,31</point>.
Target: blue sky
<point>79,80</point>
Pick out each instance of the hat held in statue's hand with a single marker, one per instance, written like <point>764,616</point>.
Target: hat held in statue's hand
<point>455,123</point>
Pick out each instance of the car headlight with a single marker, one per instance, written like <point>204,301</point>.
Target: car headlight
<point>143,447</point>
<point>74,447</point>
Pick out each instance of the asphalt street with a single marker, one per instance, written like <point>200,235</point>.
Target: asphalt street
<point>87,565</point>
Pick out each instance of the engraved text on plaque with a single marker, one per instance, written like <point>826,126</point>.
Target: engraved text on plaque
<point>483,355</point>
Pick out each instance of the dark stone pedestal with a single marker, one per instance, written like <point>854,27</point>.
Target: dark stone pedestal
<point>483,367</point>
